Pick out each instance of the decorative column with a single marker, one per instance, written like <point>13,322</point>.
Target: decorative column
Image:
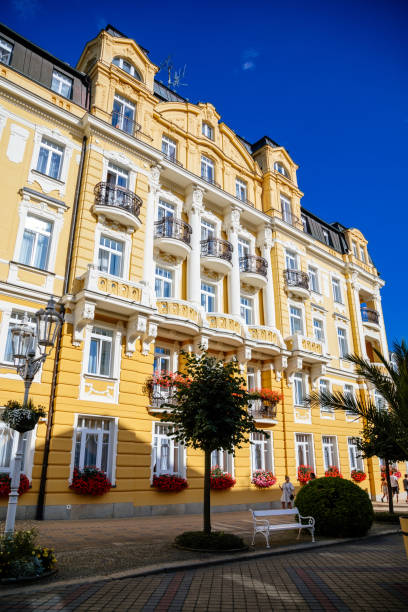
<point>194,206</point>
<point>265,243</point>
<point>378,308</point>
<point>148,263</point>
<point>232,227</point>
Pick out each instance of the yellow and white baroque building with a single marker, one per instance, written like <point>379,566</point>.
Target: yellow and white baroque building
<point>159,229</point>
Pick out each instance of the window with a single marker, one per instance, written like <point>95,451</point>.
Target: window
<point>224,460</point>
<point>348,391</point>
<point>123,114</point>
<point>243,247</point>
<point>61,84</point>
<point>261,452</point>
<point>314,279</point>
<point>36,242</point>
<point>100,352</point>
<point>165,210</point>
<point>330,458</point>
<point>169,148</point>
<point>208,297</point>
<point>126,67</point>
<point>356,461</point>
<point>296,320</point>
<point>379,401</point>
<point>362,254</point>
<point>50,158</point>
<point>298,389</point>
<point>110,256</point>
<point>304,450</point>
<point>94,441</point>
<point>163,283</point>
<point>207,169</point>
<point>355,252</point>
<point>6,49</point>
<point>291,260</point>
<point>161,361</point>
<point>167,453</point>
<point>247,310</point>
<point>241,190</point>
<point>318,330</point>
<point>117,176</point>
<point>207,230</point>
<point>207,131</point>
<point>286,209</point>
<point>16,318</point>
<point>343,346</point>
<point>326,237</point>
<point>324,387</point>
<point>305,224</point>
<point>281,169</point>
<point>251,379</point>
<point>8,449</point>
<point>336,290</point>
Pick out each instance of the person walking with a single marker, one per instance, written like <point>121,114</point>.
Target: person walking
<point>384,490</point>
<point>394,485</point>
<point>288,493</point>
<point>405,485</point>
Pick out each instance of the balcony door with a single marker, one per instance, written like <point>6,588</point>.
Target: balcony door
<point>165,213</point>
<point>117,177</point>
<point>123,114</point>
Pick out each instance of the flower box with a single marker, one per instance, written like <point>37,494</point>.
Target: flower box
<point>262,479</point>
<point>5,485</point>
<point>22,418</point>
<point>221,480</point>
<point>169,483</point>
<point>333,472</point>
<point>358,475</point>
<point>90,481</point>
<point>268,396</point>
<point>304,472</point>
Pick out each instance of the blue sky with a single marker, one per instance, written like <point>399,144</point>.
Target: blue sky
<point>328,80</point>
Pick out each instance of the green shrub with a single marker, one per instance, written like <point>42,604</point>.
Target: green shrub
<point>217,540</point>
<point>386,517</point>
<point>340,507</point>
<point>20,557</point>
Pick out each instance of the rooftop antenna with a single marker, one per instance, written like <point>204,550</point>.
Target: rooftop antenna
<point>174,77</point>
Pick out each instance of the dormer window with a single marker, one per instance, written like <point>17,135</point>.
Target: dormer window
<point>326,237</point>
<point>207,131</point>
<point>61,84</point>
<point>126,66</point>
<point>6,49</point>
<point>281,169</point>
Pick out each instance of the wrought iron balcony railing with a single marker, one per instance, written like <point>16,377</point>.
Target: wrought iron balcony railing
<point>254,264</point>
<point>369,315</point>
<point>160,397</point>
<point>172,159</point>
<point>107,194</point>
<point>170,227</point>
<point>296,278</point>
<point>124,123</point>
<point>259,409</point>
<point>215,247</point>
<point>210,180</point>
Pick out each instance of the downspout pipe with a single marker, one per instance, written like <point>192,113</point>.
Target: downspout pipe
<point>51,407</point>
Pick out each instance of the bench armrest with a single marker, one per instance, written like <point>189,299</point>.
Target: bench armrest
<point>262,521</point>
<point>310,520</point>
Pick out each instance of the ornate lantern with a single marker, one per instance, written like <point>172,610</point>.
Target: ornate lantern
<point>22,339</point>
<point>49,322</point>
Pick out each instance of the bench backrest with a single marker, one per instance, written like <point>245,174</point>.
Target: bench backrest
<point>281,512</point>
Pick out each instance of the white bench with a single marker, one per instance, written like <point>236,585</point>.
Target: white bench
<point>268,521</point>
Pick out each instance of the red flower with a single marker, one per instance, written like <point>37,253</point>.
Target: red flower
<point>169,482</point>
<point>5,485</point>
<point>358,475</point>
<point>221,480</point>
<point>90,481</point>
<point>333,472</point>
<point>304,472</point>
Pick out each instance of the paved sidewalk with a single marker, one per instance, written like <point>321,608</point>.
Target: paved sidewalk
<point>367,575</point>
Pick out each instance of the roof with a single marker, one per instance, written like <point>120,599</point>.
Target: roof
<point>110,29</point>
<point>166,94</point>
<point>315,226</point>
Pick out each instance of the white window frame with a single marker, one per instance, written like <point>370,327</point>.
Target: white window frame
<point>286,208</point>
<point>119,236</point>
<point>207,130</point>
<point>354,247</point>
<point>325,411</point>
<point>334,445</point>
<point>350,416</point>
<point>342,353</point>
<point>169,147</point>
<point>293,317</point>
<point>247,308</point>
<point>207,163</point>
<point>53,148</point>
<point>163,279</point>
<point>91,395</point>
<point>133,71</point>
<point>111,251</point>
<point>267,452</point>
<point>337,283</point>
<point>215,295</point>
<point>299,379</point>
<point>327,237</point>
<point>353,455</point>
<point>279,167</point>
<point>28,458</point>
<point>291,256</point>
<point>314,284</point>
<point>46,182</point>
<point>100,338</point>
<point>362,254</point>
<point>13,320</point>
<point>60,80</point>
<point>113,443</point>
<point>114,162</point>
<point>241,190</point>
<point>125,104</point>
<point>224,460</point>
<point>181,450</point>
<point>36,233</point>
<point>6,47</point>
<point>208,230</point>
<point>310,441</point>
<point>321,321</point>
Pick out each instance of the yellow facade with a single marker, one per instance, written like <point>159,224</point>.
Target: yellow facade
<point>156,208</point>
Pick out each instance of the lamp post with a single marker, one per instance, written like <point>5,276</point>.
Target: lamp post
<point>26,343</point>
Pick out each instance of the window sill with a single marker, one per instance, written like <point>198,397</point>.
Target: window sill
<point>32,268</point>
<point>47,176</point>
<point>100,377</point>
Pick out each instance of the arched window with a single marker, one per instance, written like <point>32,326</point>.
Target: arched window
<point>123,64</point>
<point>281,169</point>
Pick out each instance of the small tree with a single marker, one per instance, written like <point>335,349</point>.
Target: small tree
<point>209,411</point>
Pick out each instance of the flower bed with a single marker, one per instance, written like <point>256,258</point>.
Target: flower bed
<point>5,485</point>
<point>358,475</point>
<point>263,480</point>
<point>169,483</point>
<point>221,480</point>
<point>333,472</point>
<point>20,558</point>
<point>304,472</point>
<point>90,481</point>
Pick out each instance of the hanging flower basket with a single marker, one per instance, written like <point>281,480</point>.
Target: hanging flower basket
<point>169,483</point>
<point>221,480</point>
<point>358,475</point>
<point>22,418</point>
<point>90,481</point>
<point>263,480</point>
<point>5,485</point>
<point>268,396</point>
<point>304,472</point>
<point>333,472</point>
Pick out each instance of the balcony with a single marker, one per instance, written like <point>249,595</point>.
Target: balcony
<point>216,255</point>
<point>370,317</point>
<point>209,179</point>
<point>225,327</point>
<point>117,204</point>
<point>179,316</point>
<point>311,350</point>
<point>124,123</point>
<point>262,412</point>
<point>173,236</point>
<point>297,283</point>
<point>267,339</point>
<point>172,159</point>
<point>253,270</point>
<point>159,397</point>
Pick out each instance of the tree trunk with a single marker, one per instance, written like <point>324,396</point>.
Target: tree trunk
<point>387,475</point>
<point>207,492</point>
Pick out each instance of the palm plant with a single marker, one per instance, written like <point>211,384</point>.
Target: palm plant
<point>384,431</point>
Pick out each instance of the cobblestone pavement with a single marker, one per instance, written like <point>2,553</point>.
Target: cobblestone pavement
<point>367,575</point>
